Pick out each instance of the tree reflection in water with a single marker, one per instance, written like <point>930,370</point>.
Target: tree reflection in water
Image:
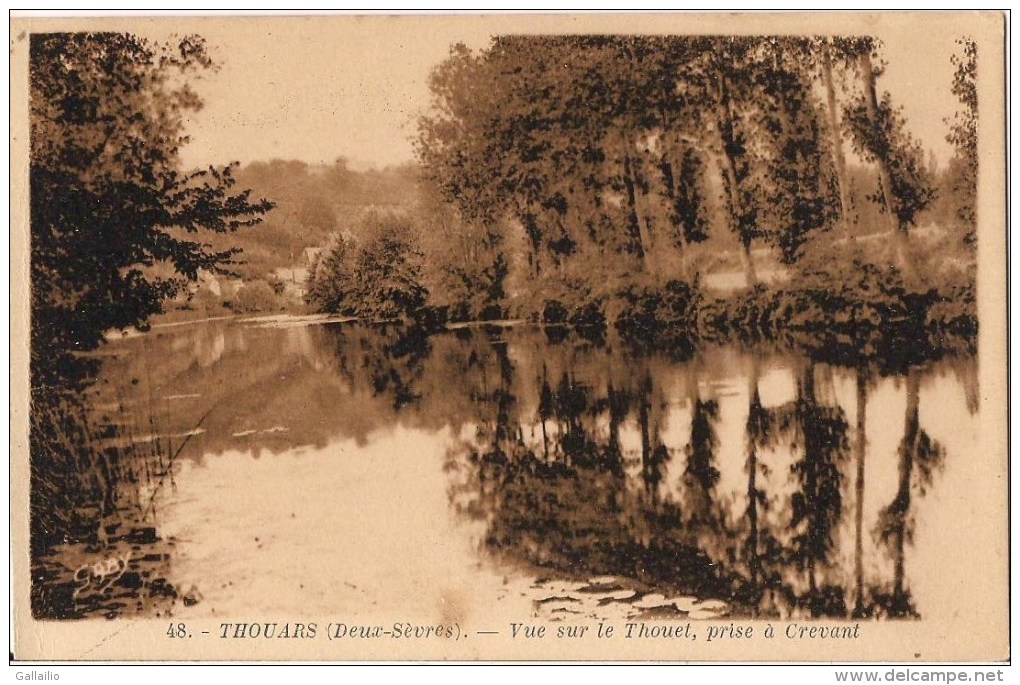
<point>569,504</point>
<point>731,473</point>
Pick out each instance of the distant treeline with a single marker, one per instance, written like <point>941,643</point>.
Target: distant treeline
<point>311,203</point>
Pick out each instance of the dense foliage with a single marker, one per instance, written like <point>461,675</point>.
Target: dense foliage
<point>117,228</point>
<point>598,172</point>
<point>376,277</point>
<point>116,225</point>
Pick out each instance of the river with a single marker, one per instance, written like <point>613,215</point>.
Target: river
<point>378,471</point>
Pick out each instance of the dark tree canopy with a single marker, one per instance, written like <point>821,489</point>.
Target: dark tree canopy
<point>116,225</point>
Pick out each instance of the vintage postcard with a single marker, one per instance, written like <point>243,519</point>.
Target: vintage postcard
<point>640,337</point>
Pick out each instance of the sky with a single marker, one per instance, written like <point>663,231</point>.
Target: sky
<point>317,88</point>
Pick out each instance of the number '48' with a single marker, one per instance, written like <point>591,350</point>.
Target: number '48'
<point>177,630</point>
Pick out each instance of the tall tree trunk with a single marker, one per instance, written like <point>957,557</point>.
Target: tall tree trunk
<point>669,180</point>
<point>747,259</point>
<point>899,230</point>
<point>860,449</point>
<point>534,242</point>
<point>871,106</point>
<point>645,218</point>
<point>725,119</point>
<point>635,226</point>
<point>667,165</point>
<point>836,140</point>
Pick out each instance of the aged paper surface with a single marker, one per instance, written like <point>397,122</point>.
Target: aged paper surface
<point>338,500</point>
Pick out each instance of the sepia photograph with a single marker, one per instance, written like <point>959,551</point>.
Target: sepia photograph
<point>674,337</point>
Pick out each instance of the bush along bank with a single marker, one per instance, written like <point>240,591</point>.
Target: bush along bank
<point>875,317</point>
<point>843,307</point>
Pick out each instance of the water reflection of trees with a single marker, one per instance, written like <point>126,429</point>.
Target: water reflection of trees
<point>919,459</point>
<point>592,494</point>
<point>580,457</point>
<point>817,437</point>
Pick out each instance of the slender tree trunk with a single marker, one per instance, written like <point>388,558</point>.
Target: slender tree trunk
<point>669,181</point>
<point>667,166</point>
<point>747,259</point>
<point>836,140</point>
<point>636,227</point>
<point>652,256</point>
<point>871,106</point>
<point>860,449</point>
<point>534,242</point>
<point>899,230</point>
<point>725,121</point>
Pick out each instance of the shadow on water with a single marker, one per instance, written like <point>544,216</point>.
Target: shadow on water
<point>703,481</point>
<point>624,480</point>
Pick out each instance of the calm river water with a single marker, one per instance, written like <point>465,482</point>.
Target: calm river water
<point>530,472</point>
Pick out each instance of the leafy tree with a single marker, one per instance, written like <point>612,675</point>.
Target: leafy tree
<point>387,270</point>
<point>683,162</point>
<point>378,276</point>
<point>115,223</point>
<point>612,154</point>
<point>963,168</point>
<point>825,52</point>
<point>452,142</point>
<point>256,297</point>
<point>465,265</point>
<point>330,278</point>
<point>572,137</point>
<point>879,134</point>
<point>726,78</point>
<point>688,196</point>
<point>802,189</point>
